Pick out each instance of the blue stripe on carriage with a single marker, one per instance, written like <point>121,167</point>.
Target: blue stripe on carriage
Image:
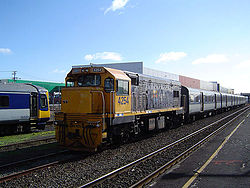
<point>17,101</point>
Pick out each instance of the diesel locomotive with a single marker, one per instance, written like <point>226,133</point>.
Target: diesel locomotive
<point>104,105</point>
<point>22,106</point>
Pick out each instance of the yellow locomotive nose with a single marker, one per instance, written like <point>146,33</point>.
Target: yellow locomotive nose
<point>82,100</point>
<point>76,101</point>
<point>83,120</point>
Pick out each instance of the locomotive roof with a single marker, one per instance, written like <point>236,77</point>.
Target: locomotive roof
<point>118,73</point>
<point>20,87</point>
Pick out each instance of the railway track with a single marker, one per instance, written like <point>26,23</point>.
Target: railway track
<point>30,170</point>
<point>27,162</point>
<point>50,139</point>
<point>182,148</point>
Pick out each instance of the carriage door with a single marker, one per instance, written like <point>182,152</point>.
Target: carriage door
<point>215,102</point>
<point>202,102</point>
<point>33,105</point>
<point>184,102</point>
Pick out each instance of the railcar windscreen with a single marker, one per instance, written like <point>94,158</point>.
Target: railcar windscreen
<point>89,80</point>
<point>43,101</point>
<point>70,83</point>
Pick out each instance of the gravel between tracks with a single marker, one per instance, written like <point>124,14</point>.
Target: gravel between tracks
<point>73,174</point>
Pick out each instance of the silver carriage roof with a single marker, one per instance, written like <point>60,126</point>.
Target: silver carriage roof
<point>20,87</point>
<point>210,92</point>
<point>154,78</point>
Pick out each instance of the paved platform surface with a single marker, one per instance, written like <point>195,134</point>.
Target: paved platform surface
<point>224,161</point>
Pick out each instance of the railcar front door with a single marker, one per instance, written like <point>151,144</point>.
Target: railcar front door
<point>33,106</point>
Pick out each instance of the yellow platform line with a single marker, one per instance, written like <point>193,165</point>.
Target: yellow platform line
<point>190,181</point>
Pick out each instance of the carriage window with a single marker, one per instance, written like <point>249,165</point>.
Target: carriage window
<point>4,101</point>
<point>89,80</point>
<point>197,98</point>
<point>176,93</point>
<point>43,101</point>
<point>109,84</point>
<point>122,87</point>
<point>70,83</point>
<point>191,97</point>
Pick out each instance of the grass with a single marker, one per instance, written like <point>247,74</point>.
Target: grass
<point>13,139</point>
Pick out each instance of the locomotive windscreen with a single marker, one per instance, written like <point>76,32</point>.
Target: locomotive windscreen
<point>87,80</point>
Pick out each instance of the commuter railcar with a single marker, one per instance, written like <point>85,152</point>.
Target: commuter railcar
<point>22,106</point>
<point>107,105</point>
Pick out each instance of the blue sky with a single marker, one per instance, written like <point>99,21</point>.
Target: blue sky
<point>204,39</point>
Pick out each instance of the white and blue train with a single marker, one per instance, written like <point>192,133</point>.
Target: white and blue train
<point>22,106</point>
<point>198,103</point>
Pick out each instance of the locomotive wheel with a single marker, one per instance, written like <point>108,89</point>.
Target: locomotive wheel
<point>125,136</point>
<point>122,137</point>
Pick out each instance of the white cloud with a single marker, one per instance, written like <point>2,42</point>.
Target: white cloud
<point>5,50</point>
<point>170,56</point>
<point>116,5</point>
<point>243,65</point>
<point>89,57</point>
<point>59,71</point>
<point>212,58</point>
<point>104,55</point>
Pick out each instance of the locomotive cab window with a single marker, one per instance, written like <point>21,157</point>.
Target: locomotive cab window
<point>89,80</point>
<point>4,101</point>
<point>122,87</point>
<point>109,84</point>
<point>70,83</point>
<point>43,101</point>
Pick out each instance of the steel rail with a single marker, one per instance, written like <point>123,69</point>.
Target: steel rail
<point>31,159</point>
<point>24,172</point>
<point>28,142</point>
<point>18,174</point>
<point>183,155</point>
<point>123,168</point>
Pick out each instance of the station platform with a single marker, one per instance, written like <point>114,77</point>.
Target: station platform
<point>224,161</point>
